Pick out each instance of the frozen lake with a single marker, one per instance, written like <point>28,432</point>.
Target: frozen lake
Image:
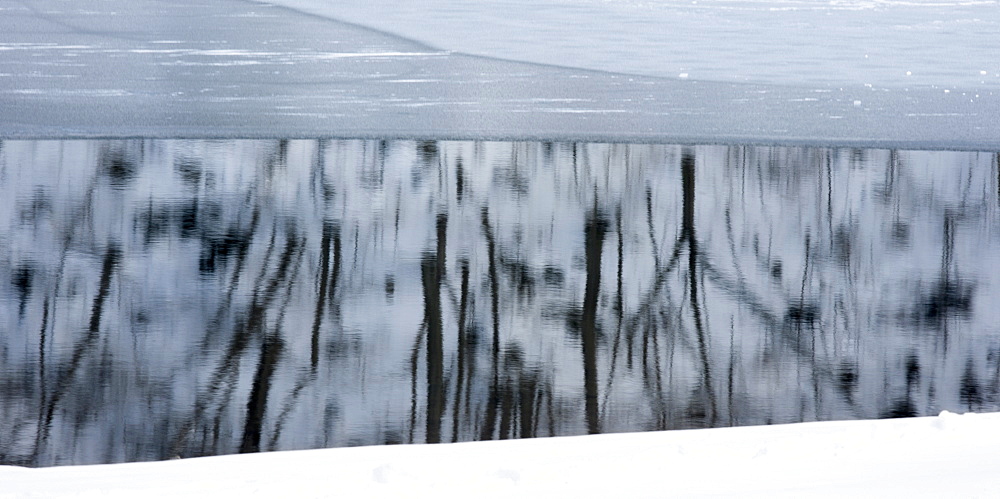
<point>238,69</point>
<point>163,298</point>
<point>285,226</point>
<point>883,44</point>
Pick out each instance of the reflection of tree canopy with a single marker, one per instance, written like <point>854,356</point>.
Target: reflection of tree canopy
<point>197,297</point>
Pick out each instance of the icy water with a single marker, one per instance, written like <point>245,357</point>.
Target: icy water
<point>196,297</point>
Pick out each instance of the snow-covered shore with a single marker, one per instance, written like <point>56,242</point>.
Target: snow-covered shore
<point>948,455</point>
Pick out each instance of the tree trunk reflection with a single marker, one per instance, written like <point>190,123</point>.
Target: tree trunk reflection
<point>264,295</point>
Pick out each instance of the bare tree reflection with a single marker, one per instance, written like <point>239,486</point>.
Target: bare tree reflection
<point>261,295</point>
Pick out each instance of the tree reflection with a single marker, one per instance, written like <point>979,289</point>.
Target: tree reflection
<point>593,242</point>
<point>183,298</point>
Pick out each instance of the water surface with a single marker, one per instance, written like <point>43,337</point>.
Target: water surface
<point>164,298</point>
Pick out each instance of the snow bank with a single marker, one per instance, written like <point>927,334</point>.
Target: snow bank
<point>949,455</point>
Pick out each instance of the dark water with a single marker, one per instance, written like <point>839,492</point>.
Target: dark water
<point>187,298</point>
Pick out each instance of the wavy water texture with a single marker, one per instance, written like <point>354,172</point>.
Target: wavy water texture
<point>196,297</point>
<point>884,44</point>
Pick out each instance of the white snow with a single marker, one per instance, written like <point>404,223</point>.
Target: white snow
<point>944,456</point>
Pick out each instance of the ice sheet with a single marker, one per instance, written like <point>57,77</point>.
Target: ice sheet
<point>229,68</point>
<point>884,43</point>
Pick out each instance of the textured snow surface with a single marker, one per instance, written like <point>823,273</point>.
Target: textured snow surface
<point>944,456</point>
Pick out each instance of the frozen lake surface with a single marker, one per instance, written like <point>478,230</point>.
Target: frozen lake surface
<point>229,68</point>
<point>887,44</point>
<point>199,297</point>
